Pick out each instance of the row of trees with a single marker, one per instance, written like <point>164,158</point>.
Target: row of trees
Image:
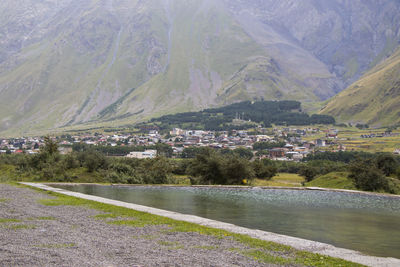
<point>265,112</point>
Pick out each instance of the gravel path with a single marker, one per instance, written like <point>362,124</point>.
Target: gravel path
<point>32,234</point>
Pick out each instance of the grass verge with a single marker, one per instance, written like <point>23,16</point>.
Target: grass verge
<point>338,180</point>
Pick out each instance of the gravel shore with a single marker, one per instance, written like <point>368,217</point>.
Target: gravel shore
<point>32,234</point>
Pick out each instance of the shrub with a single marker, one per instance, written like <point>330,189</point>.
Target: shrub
<point>366,176</point>
<point>236,170</point>
<point>180,167</point>
<point>264,170</point>
<point>244,153</point>
<point>93,160</point>
<point>308,172</point>
<point>387,163</point>
<point>156,171</point>
<point>210,167</point>
<point>71,162</point>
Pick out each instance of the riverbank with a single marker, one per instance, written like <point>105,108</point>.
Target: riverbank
<point>47,230</point>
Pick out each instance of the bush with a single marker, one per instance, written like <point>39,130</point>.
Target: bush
<point>210,167</point>
<point>244,153</point>
<point>289,166</point>
<point>71,162</point>
<point>313,168</point>
<point>156,171</point>
<point>264,170</point>
<point>93,160</point>
<point>308,172</point>
<point>180,167</point>
<point>387,163</point>
<point>237,171</point>
<point>366,176</point>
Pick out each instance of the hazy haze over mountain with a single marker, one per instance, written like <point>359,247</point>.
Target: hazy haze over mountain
<point>64,62</point>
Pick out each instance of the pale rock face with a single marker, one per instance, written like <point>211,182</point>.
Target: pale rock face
<point>123,61</point>
<point>335,31</point>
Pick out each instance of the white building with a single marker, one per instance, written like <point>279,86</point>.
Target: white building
<point>148,154</point>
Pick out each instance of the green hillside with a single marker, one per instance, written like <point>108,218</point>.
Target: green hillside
<point>250,113</point>
<point>374,99</point>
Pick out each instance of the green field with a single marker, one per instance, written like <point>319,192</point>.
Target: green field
<point>337,180</point>
<point>281,179</point>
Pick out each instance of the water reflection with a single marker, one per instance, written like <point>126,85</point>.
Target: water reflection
<point>356,221</point>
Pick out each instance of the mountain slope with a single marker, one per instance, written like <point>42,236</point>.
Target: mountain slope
<point>69,62</point>
<point>374,99</point>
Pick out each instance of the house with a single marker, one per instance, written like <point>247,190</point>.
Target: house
<point>277,152</point>
<point>148,154</point>
<point>65,150</point>
<point>320,143</point>
<point>177,131</point>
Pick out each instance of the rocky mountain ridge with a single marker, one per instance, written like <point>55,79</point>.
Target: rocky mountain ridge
<point>68,62</point>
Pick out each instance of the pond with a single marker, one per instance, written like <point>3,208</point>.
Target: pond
<point>362,222</point>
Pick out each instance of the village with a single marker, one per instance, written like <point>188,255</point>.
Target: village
<point>278,143</point>
<point>285,144</point>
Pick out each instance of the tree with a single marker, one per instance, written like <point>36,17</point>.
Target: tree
<point>208,167</point>
<point>263,170</point>
<point>159,171</point>
<point>211,167</point>
<point>387,163</point>
<point>164,150</point>
<point>244,153</point>
<point>237,170</point>
<point>308,172</point>
<point>366,176</point>
<point>50,146</point>
<point>93,160</point>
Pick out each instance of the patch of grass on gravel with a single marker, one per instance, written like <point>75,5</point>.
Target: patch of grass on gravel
<point>3,200</point>
<point>46,218</point>
<point>7,220</point>
<point>259,250</point>
<point>18,226</point>
<point>134,223</point>
<point>263,256</point>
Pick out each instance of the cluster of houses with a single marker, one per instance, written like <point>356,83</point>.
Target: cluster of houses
<point>179,139</point>
<point>379,135</point>
<point>20,145</point>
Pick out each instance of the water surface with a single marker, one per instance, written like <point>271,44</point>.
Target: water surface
<point>366,223</point>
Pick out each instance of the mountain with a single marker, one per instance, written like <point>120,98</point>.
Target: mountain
<point>374,99</point>
<point>112,62</point>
